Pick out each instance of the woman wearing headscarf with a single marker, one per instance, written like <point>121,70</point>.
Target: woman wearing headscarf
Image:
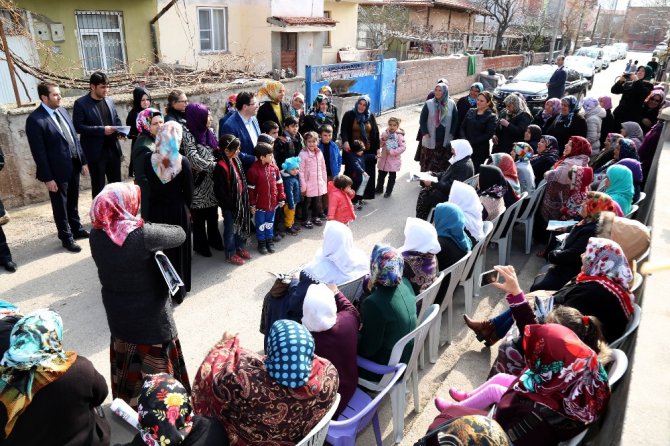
<point>141,101</point>
<point>326,90</point>
<point>359,123</point>
<point>506,164</point>
<point>318,115</point>
<point>418,252</point>
<point>298,106</point>
<point>166,417</point>
<point>273,109</point>
<point>609,124</point>
<point>438,124</point>
<point>478,127</point>
<point>532,136</point>
<point>607,154</point>
<point>522,153</point>
<point>467,430</point>
<point>545,158</point>
<point>513,122</point>
<point>634,89</point>
<point>460,169</point>
<point>624,148</point>
<point>492,189</point>
<point>580,182</point>
<point>647,149</point>
<point>454,242</point>
<point>199,144</point>
<point>651,108</point>
<point>137,302</point>
<point>389,312</point>
<point>465,197</point>
<point>594,115</point>
<point>619,186</point>
<point>635,168</point>
<point>632,131</point>
<point>149,121</point>
<point>48,396</point>
<point>465,103</point>
<point>570,122</point>
<point>252,395</point>
<point>546,117</point>
<point>337,262</point>
<point>334,322</point>
<point>171,192</point>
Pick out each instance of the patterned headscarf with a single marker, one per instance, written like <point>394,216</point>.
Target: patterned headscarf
<point>166,160</point>
<point>606,102</point>
<point>505,162</point>
<point>480,87</point>
<point>613,138</point>
<point>34,359</point>
<point>450,223</point>
<point>165,411</point>
<point>325,89</point>
<point>627,150</point>
<point>271,90</point>
<point>386,266</point>
<point>518,104</point>
<point>551,149</point>
<point>465,197</point>
<point>143,121</point>
<point>462,149</point>
<point>555,108</point>
<point>196,122</point>
<point>661,94</point>
<point>605,262</point>
<point>573,107</point>
<point>230,103</point>
<point>472,430</point>
<point>492,182</point>
<point>635,167</point>
<point>523,150</point>
<point>621,186</point>
<point>597,202</point>
<point>364,117</point>
<point>114,210</point>
<point>290,351</point>
<point>562,373</point>
<point>590,103</point>
<point>580,180</point>
<point>580,146</point>
<point>442,106</point>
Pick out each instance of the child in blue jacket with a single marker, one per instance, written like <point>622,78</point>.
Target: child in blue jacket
<point>290,170</point>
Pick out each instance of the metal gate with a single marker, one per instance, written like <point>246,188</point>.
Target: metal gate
<point>376,78</point>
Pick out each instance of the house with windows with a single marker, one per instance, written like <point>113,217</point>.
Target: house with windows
<point>261,35</point>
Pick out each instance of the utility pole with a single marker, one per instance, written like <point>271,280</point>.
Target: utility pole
<point>561,7</point>
<point>579,27</point>
<point>595,25</point>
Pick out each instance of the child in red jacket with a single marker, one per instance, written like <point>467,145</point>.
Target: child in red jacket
<point>340,193</point>
<point>266,193</point>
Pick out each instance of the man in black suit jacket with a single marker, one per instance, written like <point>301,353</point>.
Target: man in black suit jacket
<point>95,117</point>
<point>60,160</point>
<point>556,84</point>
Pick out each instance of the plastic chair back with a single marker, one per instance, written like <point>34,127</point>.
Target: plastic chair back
<point>469,268</point>
<point>353,289</point>
<point>633,323</point>
<point>473,181</point>
<point>533,202</point>
<point>618,366</point>
<point>641,198</point>
<point>632,212</point>
<point>505,223</point>
<point>427,297</point>
<point>317,436</point>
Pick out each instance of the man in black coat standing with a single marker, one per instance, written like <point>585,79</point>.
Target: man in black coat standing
<point>59,159</point>
<point>95,119</point>
<point>556,84</point>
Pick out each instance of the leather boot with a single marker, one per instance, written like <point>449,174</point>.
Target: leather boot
<point>262,247</point>
<point>270,246</point>
<point>484,330</point>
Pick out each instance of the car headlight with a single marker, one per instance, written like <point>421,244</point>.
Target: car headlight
<point>539,97</point>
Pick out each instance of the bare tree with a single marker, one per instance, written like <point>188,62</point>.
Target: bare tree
<point>380,23</point>
<point>504,13</point>
<point>533,28</point>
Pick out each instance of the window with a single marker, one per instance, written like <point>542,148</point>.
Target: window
<point>213,29</point>
<point>101,40</point>
<point>326,34</point>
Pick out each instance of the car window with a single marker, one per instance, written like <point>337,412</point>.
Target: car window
<point>535,74</point>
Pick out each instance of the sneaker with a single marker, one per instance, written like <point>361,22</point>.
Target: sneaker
<point>308,224</point>
<point>359,207</point>
<point>323,216</point>
<point>244,254</point>
<point>318,222</point>
<point>235,260</point>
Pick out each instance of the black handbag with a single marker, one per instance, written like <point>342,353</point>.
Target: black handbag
<point>2,159</point>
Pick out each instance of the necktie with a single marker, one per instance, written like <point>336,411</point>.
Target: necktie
<point>65,131</point>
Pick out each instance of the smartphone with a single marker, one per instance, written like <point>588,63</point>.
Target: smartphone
<point>488,277</point>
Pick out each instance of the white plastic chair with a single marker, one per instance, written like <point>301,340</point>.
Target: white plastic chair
<point>473,181</point>
<point>641,198</point>
<point>352,289</point>
<point>431,215</point>
<point>398,397</point>
<point>426,299</point>
<point>473,268</point>
<point>527,217</point>
<point>632,212</point>
<point>633,323</point>
<point>503,234</point>
<point>317,436</point>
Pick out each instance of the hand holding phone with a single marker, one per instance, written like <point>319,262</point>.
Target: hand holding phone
<point>510,283</point>
<point>488,277</point>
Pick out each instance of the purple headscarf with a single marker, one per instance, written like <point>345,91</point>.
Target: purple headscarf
<point>196,122</point>
<point>635,167</point>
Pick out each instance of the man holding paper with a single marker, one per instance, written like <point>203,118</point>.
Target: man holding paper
<point>96,121</point>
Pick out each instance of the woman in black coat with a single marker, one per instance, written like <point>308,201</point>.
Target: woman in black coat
<point>275,92</point>
<point>545,118</point>
<point>512,123</point>
<point>570,122</point>
<point>478,128</point>
<point>633,90</point>
<point>141,100</point>
<point>609,124</point>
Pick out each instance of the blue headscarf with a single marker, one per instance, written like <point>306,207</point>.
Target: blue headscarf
<point>621,187</point>
<point>450,223</point>
<point>573,107</point>
<point>386,266</point>
<point>627,150</point>
<point>290,351</point>
<point>362,118</point>
<point>473,101</point>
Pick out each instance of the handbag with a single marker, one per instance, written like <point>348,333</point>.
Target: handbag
<point>364,182</point>
<point>2,159</point>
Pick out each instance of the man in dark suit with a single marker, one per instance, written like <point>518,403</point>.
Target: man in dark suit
<point>59,159</point>
<point>95,119</point>
<point>244,125</point>
<point>556,84</point>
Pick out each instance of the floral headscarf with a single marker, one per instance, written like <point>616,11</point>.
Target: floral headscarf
<point>114,210</point>
<point>362,118</point>
<point>34,359</point>
<point>621,186</point>
<point>492,182</point>
<point>580,180</point>
<point>551,149</point>
<point>465,197</point>
<point>325,89</point>
<point>386,266</point>
<point>635,167</point>
<point>290,351</point>
<point>450,223</point>
<point>555,108</point>
<point>661,94</point>
<point>580,146</point>
<point>562,373</point>
<point>164,409</point>
<point>472,430</point>
<point>166,160</point>
<point>143,121</point>
<point>573,107</point>
<point>605,262</point>
<point>271,90</point>
<point>506,164</point>
<point>606,102</point>
<point>613,138</point>
<point>196,122</point>
<point>597,202</point>
<point>523,150</point>
<point>627,150</point>
<point>442,106</point>
<point>230,103</point>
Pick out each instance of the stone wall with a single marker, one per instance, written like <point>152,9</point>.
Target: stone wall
<point>417,77</point>
<point>18,186</point>
<point>509,64</point>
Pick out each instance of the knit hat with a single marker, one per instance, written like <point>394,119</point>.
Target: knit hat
<point>290,351</point>
<point>291,163</point>
<point>319,312</point>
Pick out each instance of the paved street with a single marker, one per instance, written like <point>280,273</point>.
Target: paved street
<point>225,297</point>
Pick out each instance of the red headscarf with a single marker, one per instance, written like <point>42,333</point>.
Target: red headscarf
<point>580,181</point>
<point>114,210</point>
<point>580,146</point>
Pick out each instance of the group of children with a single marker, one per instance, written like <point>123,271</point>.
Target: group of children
<point>296,181</point>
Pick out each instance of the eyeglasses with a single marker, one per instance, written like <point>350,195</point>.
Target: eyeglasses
<point>185,101</point>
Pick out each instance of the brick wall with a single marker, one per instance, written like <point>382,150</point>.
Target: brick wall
<point>417,77</point>
<point>504,64</point>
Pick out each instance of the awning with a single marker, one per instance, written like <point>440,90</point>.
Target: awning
<point>301,24</point>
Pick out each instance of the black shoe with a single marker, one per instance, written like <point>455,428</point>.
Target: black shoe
<point>387,194</point>
<point>10,266</point>
<point>270,246</point>
<point>379,190</point>
<point>217,246</point>
<point>81,234</point>
<point>205,252</point>
<point>277,238</point>
<point>262,248</point>
<point>71,246</point>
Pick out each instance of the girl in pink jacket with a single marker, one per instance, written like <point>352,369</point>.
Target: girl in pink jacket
<point>392,147</point>
<point>313,180</point>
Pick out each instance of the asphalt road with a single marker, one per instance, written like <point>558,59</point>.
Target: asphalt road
<point>225,297</point>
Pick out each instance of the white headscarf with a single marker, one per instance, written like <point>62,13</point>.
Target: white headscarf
<point>338,261</point>
<point>465,197</point>
<point>462,149</point>
<point>420,236</point>
<point>319,312</point>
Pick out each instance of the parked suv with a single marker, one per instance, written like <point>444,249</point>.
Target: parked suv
<point>594,53</point>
